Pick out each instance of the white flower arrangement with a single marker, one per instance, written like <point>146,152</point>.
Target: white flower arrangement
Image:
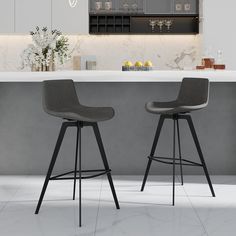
<point>48,48</point>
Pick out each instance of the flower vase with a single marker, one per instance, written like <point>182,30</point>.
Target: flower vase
<point>51,66</point>
<point>35,68</point>
<point>44,68</point>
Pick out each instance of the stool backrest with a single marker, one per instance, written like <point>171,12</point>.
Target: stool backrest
<point>194,92</point>
<point>59,95</point>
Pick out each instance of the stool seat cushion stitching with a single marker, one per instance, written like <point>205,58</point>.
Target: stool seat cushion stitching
<point>84,113</point>
<point>171,107</point>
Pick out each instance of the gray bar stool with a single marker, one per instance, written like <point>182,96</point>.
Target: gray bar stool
<point>60,100</point>
<point>193,95</point>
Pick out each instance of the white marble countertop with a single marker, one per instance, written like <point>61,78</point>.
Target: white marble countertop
<point>118,76</point>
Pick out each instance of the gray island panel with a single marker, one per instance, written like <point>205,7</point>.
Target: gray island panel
<point>28,135</point>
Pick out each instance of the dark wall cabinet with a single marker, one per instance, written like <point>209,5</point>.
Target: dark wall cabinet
<point>158,7</point>
<point>186,7</point>
<point>171,6</point>
<point>110,24</point>
<point>164,25</point>
<point>144,17</point>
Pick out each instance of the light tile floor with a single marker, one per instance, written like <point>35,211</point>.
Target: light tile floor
<point>142,213</point>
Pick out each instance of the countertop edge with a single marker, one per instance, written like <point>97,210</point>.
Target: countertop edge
<point>118,76</point>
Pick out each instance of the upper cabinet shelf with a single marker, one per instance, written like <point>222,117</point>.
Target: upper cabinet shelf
<point>175,7</point>
<point>147,7</point>
<point>116,6</point>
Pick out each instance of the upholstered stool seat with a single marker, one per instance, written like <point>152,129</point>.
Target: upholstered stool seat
<point>193,95</point>
<point>64,103</point>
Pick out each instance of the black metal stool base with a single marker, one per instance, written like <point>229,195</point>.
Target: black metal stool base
<point>169,160</point>
<point>92,173</point>
<point>61,176</point>
<point>177,161</point>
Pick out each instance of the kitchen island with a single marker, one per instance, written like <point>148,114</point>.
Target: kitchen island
<point>27,134</point>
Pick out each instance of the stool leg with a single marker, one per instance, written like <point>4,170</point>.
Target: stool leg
<point>180,154</point>
<point>51,166</point>
<point>80,178</point>
<point>196,141</point>
<point>105,162</point>
<point>76,160</point>
<point>154,145</point>
<point>173,193</point>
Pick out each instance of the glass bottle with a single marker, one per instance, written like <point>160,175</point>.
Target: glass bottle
<point>219,59</point>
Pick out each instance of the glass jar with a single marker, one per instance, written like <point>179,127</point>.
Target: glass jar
<point>108,5</point>
<point>98,5</point>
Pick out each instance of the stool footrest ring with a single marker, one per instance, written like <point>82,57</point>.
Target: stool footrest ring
<point>97,173</point>
<point>169,161</point>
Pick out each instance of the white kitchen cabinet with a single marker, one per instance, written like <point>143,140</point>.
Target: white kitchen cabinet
<point>32,13</point>
<point>6,16</point>
<point>70,20</point>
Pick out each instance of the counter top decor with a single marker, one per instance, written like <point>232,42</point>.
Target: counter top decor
<point>137,66</point>
<point>48,49</point>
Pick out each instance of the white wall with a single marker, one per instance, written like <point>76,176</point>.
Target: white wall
<point>219,30</point>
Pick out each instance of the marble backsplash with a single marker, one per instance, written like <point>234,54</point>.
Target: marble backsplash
<point>167,52</point>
